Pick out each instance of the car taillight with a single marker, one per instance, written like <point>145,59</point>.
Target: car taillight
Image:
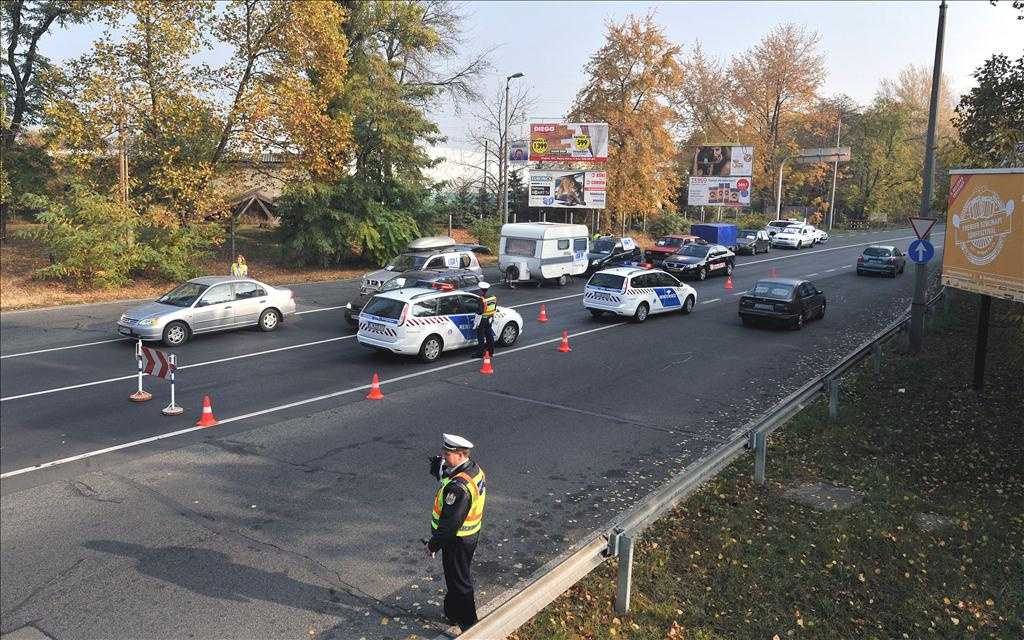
<point>405,311</point>
<point>892,260</point>
<point>292,294</point>
<point>860,258</point>
<point>787,307</point>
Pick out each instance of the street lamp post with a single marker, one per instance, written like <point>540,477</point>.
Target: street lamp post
<point>504,150</point>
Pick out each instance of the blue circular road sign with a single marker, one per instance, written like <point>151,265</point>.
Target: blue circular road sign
<point>921,251</point>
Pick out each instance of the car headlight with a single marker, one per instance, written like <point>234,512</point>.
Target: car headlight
<point>149,321</point>
<point>348,305</point>
<point>123,318</point>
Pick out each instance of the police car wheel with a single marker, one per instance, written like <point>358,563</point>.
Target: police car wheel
<point>688,304</point>
<point>509,334</point>
<point>269,320</point>
<point>702,273</point>
<point>641,313</point>
<point>431,349</point>
<point>597,313</point>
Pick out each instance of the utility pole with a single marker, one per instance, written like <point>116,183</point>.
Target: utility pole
<point>835,170</point>
<point>504,150</point>
<point>917,307</point>
<point>483,186</point>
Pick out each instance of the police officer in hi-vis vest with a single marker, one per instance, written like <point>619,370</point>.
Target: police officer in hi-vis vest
<point>484,335</point>
<point>455,525</point>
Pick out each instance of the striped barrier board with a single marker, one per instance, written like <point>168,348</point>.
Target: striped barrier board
<point>156,363</point>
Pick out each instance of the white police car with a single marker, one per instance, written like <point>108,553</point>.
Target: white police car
<point>427,322</point>
<point>636,290</point>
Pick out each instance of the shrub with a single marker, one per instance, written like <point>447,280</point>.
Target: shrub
<point>487,232</point>
<point>666,223</point>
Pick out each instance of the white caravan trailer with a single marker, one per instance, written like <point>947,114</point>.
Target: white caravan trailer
<point>539,251</point>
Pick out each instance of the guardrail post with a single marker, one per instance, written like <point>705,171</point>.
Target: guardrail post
<point>833,398</point>
<point>876,350</point>
<point>947,294</point>
<point>625,582</point>
<point>760,455</point>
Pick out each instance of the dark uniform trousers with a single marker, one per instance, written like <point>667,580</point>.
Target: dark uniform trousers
<point>484,334</point>
<point>459,602</point>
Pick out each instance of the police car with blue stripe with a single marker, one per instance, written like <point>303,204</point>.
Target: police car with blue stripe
<point>636,290</point>
<point>427,322</point>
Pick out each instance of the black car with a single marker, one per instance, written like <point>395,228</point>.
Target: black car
<point>700,260</point>
<point>610,251</point>
<point>753,241</point>
<point>782,300</point>
<point>463,279</point>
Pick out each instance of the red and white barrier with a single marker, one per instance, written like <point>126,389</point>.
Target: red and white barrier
<point>156,363</point>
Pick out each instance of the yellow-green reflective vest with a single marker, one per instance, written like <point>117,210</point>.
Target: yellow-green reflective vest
<point>478,495</point>
<point>490,306</point>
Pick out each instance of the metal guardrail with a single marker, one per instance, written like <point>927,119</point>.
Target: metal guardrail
<point>618,540</point>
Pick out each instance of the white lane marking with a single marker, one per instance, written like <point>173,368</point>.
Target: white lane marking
<point>811,274</point>
<point>525,304</point>
<point>297,403</point>
<point>739,293</point>
<point>187,366</point>
<point>74,346</point>
<point>829,270</point>
<point>711,300</point>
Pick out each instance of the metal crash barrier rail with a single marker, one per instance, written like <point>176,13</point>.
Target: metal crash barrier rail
<point>559,575</point>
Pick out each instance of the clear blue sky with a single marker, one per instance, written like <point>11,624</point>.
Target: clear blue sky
<point>864,42</point>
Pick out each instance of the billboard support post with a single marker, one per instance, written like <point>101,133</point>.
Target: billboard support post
<point>981,344</point>
<point>917,307</point>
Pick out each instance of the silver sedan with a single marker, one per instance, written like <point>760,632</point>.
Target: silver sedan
<point>201,305</point>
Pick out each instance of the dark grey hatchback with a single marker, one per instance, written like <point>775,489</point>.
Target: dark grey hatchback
<point>783,300</point>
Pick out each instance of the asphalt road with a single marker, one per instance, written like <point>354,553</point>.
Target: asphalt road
<point>300,514</point>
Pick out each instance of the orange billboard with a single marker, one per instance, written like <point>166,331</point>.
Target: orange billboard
<point>984,249</point>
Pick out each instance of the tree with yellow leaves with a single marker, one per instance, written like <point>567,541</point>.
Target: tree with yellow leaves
<point>631,82</point>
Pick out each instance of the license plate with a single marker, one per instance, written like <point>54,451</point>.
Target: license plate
<point>766,307</point>
<point>376,326</point>
<point>601,296</point>
<point>123,331</point>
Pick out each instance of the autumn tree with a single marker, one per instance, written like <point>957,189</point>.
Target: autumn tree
<point>773,84</point>
<point>631,82</point>
<point>990,117</point>
<point>912,87</point>
<point>488,132</point>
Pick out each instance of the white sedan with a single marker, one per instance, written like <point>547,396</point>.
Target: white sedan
<point>636,292</point>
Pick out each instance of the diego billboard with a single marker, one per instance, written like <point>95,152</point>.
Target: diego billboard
<point>719,192</point>
<point>723,160</point>
<point>571,142</point>
<point>568,189</point>
<point>984,248</point>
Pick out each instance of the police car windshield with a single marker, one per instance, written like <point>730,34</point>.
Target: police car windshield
<point>183,295</point>
<point>693,250</point>
<point>607,281</point>
<point>668,242</point>
<point>602,246</point>
<point>408,261</point>
<point>385,308</point>
<point>773,290</point>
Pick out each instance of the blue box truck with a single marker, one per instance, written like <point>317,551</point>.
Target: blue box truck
<point>716,233</point>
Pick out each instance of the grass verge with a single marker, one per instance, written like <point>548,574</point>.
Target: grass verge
<point>935,548</point>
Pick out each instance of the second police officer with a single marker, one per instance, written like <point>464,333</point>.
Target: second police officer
<point>484,335</point>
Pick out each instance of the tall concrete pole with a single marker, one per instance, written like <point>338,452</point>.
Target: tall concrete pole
<point>835,172</point>
<point>917,308</point>
<point>504,149</point>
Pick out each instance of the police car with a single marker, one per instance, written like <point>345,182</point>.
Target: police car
<point>636,290</point>
<point>426,322</point>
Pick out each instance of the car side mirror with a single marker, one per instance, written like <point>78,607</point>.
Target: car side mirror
<point>202,303</point>
<point>819,291</point>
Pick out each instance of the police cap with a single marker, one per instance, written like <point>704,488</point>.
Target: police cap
<point>483,285</point>
<point>453,442</point>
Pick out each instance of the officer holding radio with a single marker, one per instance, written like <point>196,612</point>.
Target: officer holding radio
<point>455,525</point>
<point>484,335</point>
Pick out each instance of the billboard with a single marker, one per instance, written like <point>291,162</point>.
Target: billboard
<point>569,142</point>
<point>568,189</point>
<point>518,151</point>
<point>984,249</point>
<point>723,160</point>
<point>719,192</point>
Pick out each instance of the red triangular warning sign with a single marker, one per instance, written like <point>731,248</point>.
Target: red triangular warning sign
<point>921,226</point>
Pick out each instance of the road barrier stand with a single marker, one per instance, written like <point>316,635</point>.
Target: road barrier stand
<point>140,395</point>
<point>173,409</point>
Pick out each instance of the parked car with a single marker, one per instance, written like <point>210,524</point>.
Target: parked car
<point>820,235</point>
<point>796,236</point>
<point>784,300</point>
<point>884,259</point>
<point>611,251</point>
<point>753,241</point>
<point>666,246</point>
<point>202,305</point>
<point>448,279</point>
<point>432,252</point>
<point>776,226</point>
<point>699,261</point>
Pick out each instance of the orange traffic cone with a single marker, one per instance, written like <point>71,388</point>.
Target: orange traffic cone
<point>774,275</point>
<point>207,419</point>
<point>487,363</point>
<point>728,283</point>
<point>565,343</point>
<point>375,393</point>
<point>543,314</point>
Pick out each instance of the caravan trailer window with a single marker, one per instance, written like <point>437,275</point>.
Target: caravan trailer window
<point>579,245</point>
<point>563,244</point>
<point>520,247</point>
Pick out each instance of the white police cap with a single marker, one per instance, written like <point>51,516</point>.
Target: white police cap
<point>483,285</point>
<point>453,442</point>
